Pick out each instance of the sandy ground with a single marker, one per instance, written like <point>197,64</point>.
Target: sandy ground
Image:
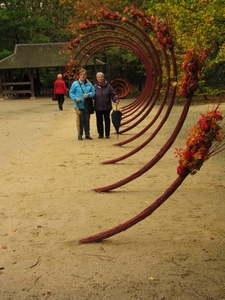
<point>47,204</point>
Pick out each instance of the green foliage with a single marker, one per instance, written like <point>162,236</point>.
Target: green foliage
<point>194,24</point>
<point>214,74</point>
<point>4,53</point>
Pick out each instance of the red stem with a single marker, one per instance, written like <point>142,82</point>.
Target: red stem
<point>141,216</point>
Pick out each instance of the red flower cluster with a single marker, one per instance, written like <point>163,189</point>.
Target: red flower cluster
<point>204,140</point>
<point>159,27</point>
<point>74,43</point>
<point>192,67</point>
<point>107,14</point>
<point>70,70</point>
<point>140,16</point>
<point>89,24</point>
<point>163,35</point>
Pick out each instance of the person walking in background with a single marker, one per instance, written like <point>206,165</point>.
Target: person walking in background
<point>104,95</point>
<point>80,90</point>
<point>60,90</point>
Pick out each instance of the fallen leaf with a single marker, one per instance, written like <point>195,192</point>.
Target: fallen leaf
<point>152,278</point>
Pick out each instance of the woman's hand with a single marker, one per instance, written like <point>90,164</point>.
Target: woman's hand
<point>77,111</point>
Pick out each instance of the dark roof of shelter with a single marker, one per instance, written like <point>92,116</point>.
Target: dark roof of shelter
<point>38,56</point>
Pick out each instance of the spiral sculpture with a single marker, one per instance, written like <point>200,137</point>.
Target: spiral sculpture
<point>150,39</point>
<point>121,86</point>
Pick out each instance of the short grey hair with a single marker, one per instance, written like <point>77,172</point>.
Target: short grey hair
<point>59,76</point>
<point>100,73</point>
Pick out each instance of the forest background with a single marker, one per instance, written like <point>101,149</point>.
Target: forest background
<point>195,24</point>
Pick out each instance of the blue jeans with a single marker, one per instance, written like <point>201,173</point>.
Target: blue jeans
<point>84,123</point>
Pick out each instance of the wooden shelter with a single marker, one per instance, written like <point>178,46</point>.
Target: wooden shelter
<point>32,57</point>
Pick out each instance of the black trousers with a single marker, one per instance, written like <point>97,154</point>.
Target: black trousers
<point>103,118</point>
<point>60,98</point>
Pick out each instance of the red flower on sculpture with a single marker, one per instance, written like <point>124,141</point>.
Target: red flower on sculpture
<point>192,67</point>
<point>70,70</point>
<point>204,124</point>
<point>89,24</point>
<point>159,27</point>
<point>204,140</point>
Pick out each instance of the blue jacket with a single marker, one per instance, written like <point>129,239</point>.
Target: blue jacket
<point>104,95</point>
<point>76,92</point>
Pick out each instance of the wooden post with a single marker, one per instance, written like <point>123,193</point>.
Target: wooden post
<point>32,84</point>
<point>1,88</point>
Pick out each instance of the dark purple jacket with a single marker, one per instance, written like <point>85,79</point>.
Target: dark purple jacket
<point>104,95</point>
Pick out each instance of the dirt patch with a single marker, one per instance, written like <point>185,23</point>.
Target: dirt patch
<point>47,204</point>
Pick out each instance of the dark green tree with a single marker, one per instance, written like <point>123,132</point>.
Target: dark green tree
<point>32,21</point>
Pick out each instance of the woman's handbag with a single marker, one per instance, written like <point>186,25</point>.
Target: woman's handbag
<point>54,98</point>
<point>90,105</point>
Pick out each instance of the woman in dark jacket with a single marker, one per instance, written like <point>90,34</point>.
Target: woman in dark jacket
<point>104,95</point>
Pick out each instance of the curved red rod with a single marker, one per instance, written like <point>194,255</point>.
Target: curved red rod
<point>96,45</point>
<point>116,36</point>
<point>144,99</point>
<point>141,31</point>
<point>141,216</point>
<point>135,115</point>
<point>115,43</point>
<point>94,41</point>
<point>157,157</point>
<point>143,106</point>
<point>85,54</point>
<point>103,44</point>
<point>105,31</point>
<point>147,110</point>
<point>152,135</point>
<point>171,101</point>
<point>146,107</point>
<point>147,141</point>
<point>144,58</point>
<point>126,29</point>
<point>111,43</point>
<point>146,37</point>
<point>152,103</point>
<point>133,34</point>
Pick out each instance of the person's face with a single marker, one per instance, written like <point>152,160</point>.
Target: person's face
<point>100,79</point>
<point>82,76</point>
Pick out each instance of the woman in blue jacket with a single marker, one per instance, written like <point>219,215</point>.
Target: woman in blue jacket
<point>80,90</point>
<point>104,95</point>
